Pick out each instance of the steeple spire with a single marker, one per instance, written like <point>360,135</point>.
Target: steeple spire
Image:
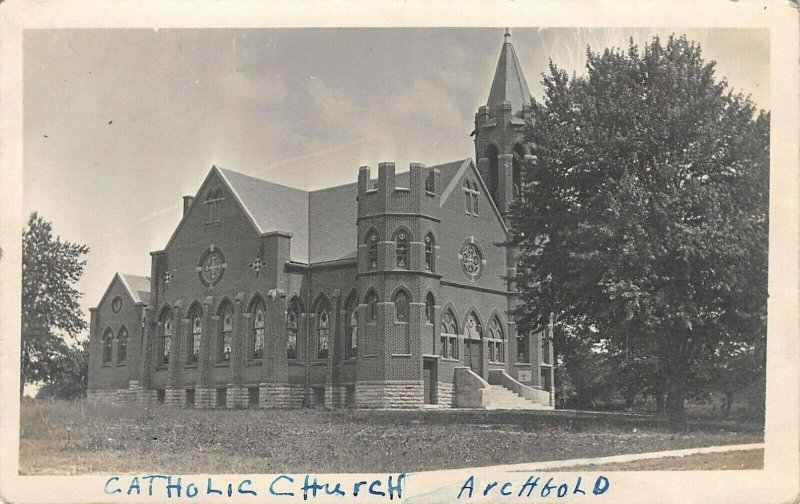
<point>509,82</point>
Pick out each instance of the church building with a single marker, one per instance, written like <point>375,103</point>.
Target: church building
<point>390,292</point>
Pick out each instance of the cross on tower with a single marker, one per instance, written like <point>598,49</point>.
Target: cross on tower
<point>257,264</point>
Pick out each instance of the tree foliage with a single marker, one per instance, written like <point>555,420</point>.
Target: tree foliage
<point>645,209</point>
<point>50,302</point>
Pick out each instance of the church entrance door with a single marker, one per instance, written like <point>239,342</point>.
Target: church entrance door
<point>472,354</point>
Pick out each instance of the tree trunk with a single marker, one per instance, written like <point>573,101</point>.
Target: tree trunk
<point>676,400</point>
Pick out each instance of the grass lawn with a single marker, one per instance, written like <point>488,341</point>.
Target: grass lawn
<point>80,437</point>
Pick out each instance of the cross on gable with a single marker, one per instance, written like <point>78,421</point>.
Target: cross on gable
<point>167,277</point>
<point>257,264</point>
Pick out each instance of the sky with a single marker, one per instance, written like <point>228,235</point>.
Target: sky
<point>119,124</point>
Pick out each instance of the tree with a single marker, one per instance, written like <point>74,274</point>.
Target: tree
<point>645,208</point>
<point>71,376</point>
<point>50,309</point>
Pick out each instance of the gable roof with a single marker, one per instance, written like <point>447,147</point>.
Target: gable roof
<point>138,287</point>
<point>509,82</point>
<point>469,165</point>
<point>322,222</point>
<point>272,207</point>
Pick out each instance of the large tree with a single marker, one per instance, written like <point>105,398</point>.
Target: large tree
<point>50,302</point>
<point>645,209</point>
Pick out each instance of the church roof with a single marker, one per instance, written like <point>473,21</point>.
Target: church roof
<point>138,287</point>
<point>322,222</point>
<point>273,207</point>
<point>509,82</point>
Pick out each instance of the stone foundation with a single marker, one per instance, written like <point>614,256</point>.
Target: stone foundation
<point>444,395</point>
<point>274,396</point>
<point>174,396</point>
<point>390,394</point>
<point>236,397</point>
<point>205,398</point>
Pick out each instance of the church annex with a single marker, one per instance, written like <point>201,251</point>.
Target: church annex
<point>389,292</point>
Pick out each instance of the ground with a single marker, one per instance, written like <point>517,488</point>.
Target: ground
<point>739,459</point>
<point>80,437</point>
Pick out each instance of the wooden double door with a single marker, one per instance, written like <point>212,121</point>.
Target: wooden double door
<point>473,355</point>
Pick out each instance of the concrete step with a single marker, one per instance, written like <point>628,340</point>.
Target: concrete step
<point>502,398</point>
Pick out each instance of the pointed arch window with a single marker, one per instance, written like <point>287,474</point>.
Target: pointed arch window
<point>401,306</point>
<point>475,194</point>
<point>430,307</point>
<point>166,339</point>
<point>213,203</point>
<point>430,249</point>
<point>108,346</point>
<point>372,306</point>
<point>122,345</point>
<point>194,338</point>
<point>496,341</point>
<point>523,352</point>
<point>259,325</point>
<point>473,329</point>
<point>292,317</point>
<point>401,248</point>
<point>449,336</point>
<point>471,197</point>
<point>372,249</point>
<point>352,327</point>
<point>323,332</point>
<point>225,336</point>
<point>467,197</point>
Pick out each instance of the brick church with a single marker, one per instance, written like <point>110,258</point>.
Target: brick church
<point>389,292</point>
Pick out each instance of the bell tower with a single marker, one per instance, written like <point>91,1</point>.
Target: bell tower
<point>499,124</point>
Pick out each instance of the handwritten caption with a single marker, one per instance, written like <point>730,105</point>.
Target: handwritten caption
<point>311,487</point>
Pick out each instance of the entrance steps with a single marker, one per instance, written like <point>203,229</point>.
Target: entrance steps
<point>501,398</point>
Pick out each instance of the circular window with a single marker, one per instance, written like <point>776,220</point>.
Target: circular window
<point>212,267</point>
<point>116,304</point>
<point>472,260</point>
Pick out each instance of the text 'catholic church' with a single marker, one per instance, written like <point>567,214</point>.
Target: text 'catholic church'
<point>384,293</point>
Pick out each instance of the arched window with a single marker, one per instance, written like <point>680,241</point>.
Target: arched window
<point>401,246</point>
<point>546,339</point>
<point>323,331</point>
<point>225,335</point>
<point>493,175</point>
<point>209,202</point>
<point>258,333</point>
<point>108,346</point>
<point>122,345</point>
<point>467,197</point>
<point>401,306</point>
<point>166,337</point>
<point>217,205</point>
<point>523,354</point>
<point>372,306</point>
<point>473,329</point>
<point>196,330</point>
<point>292,317</point>
<point>518,158</point>
<point>449,336</point>
<point>372,249</point>
<point>496,341</point>
<point>430,306</point>
<point>352,327</point>
<point>475,194</point>
<point>430,247</point>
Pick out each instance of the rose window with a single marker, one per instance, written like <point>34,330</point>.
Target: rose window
<point>471,260</point>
